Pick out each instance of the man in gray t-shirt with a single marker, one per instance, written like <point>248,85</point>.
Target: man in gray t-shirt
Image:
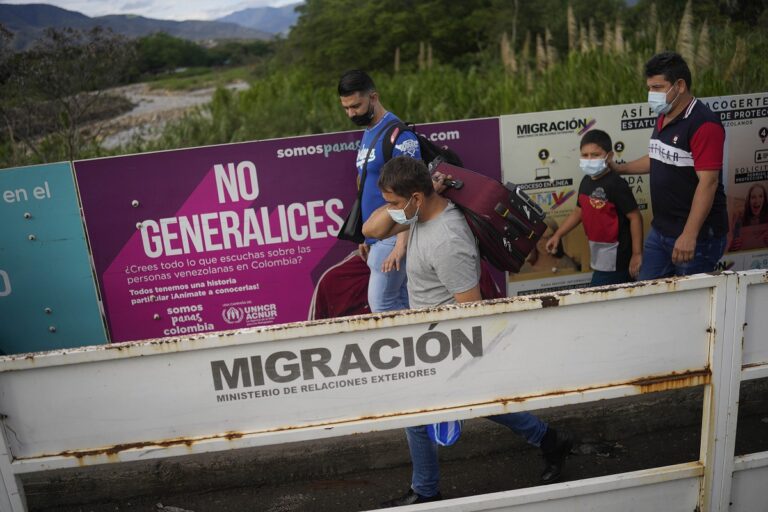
<point>443,268</point>
<point>443,259</point>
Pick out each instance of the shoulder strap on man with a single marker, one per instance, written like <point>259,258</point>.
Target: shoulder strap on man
<point>390,138</point>
<point>385,130</point>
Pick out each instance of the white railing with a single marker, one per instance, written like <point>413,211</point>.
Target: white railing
<point>163,398</point>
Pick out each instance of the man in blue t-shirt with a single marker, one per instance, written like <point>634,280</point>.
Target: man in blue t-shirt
<point>386,258</point>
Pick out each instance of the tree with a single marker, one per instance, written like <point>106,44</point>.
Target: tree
<point>163,52</point>
<point>333,35</point>
<point>49,92</point>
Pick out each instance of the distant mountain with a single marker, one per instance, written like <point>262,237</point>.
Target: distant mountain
<point>275,20</point>
<point>28,21</point>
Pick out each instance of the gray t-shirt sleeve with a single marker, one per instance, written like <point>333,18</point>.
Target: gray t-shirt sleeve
<point>456,262</point>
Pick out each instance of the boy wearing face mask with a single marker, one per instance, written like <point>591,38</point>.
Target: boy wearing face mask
<point>685,161</point>
<point>609,213</point>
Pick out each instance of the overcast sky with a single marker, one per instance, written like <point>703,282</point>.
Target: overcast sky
<point>160,9</point>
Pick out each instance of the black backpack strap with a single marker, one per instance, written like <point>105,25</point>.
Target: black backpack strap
<point>386,129</point>
<point>390,138</point>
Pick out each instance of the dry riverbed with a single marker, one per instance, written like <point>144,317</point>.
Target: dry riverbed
<point>153,109</point>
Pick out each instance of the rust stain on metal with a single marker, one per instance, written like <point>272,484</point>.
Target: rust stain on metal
<point>111,452</point>
<point>548,301</point>
<point>673,381</point>
<point>645,385</point>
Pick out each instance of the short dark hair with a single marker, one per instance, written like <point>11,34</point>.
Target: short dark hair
<point>671,65</point>
<point>355,80</point>
<point>404,176</point>
<point>598,137</point>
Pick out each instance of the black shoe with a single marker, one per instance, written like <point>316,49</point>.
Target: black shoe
<point>556,446</point>
<point>410,498</point>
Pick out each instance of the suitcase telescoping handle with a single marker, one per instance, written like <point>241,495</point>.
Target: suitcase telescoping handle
<point>434,164</point>
<point>457,184</point>
<point>526,200</point>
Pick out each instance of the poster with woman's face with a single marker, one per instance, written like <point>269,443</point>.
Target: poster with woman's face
<point>745,169</point>
<point>749,217</point>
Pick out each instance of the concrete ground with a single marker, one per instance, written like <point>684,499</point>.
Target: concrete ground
<point>356,473</point>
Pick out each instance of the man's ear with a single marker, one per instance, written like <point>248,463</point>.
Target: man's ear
<point>609,156</point>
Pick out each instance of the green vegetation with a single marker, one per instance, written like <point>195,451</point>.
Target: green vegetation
<point>437,60</point>
<point>161,53</point>
<point>49,94</point>
<point>591,67</point>
<point>200,78</point>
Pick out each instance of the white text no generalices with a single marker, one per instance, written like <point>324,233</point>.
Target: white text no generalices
<point>215,231</point>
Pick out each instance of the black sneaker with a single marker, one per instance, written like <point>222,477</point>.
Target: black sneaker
<point>410,498</point>
<point>555,448</point>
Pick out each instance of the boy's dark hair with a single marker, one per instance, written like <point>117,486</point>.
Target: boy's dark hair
<point>599,137</point>
<point>671,65</point>
<point>355,80</point>
<point>404,176</point>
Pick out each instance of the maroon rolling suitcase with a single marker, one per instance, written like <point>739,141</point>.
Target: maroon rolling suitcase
<point>505,221</point>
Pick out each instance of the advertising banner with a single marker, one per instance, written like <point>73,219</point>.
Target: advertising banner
<point>540,152</point>
<point>47,292</point>
<point>232,236</point>
<point>745,118</point>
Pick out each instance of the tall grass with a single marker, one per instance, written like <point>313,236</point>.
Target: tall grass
<point>598,69</point>
<point>290,103</point>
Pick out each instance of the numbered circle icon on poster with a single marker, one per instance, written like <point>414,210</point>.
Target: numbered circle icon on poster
<point>543,154</point>
<point>618,147</point>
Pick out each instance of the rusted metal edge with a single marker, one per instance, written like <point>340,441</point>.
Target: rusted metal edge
<point>671,381</point>
<point>19,362</point>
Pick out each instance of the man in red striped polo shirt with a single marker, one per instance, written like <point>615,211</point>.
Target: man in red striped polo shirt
<point>685,161</point>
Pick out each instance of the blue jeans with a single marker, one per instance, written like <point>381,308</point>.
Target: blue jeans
<point>602,278</point>
<point>387,291</point>
<point>657,256</point>
<point>426,468</point>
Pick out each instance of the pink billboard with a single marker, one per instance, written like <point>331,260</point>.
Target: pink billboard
<point>232,236</point>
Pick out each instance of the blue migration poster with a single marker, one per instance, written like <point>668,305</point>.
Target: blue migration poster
<point>48,295</point>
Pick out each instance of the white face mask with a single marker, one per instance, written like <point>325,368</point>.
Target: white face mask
<point>400,217</point>
<point>592,167</point>
<point>658,101</point>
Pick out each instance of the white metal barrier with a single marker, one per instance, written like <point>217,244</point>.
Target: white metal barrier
<point>169,397</point>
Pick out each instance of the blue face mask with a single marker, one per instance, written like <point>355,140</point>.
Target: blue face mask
<point>400,217</point>
<point>658,101</point>
<point>592,167</point>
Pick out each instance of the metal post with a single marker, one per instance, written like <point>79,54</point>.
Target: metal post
<point>11,490</point>
<point>721,395</point>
